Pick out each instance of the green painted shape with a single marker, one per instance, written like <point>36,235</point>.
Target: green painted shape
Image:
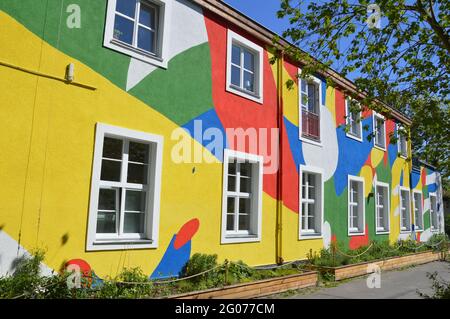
<point>426,220</point>
<point>184,90</point>
<point>47,19</point>
<point>335,212</point>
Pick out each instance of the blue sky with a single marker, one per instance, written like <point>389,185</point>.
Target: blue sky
<point>262,11</point>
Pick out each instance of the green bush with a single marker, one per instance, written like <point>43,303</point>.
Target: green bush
<point>447,224</point>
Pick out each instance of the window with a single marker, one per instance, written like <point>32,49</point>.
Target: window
<point>310,102</point>
<point>356,218</point>
<point>139,28</point>
<point>433,212</point>
<point>244,68</point>
<point>242,196</point>
<point>311,202</point>
<point>353,121</point>
<point>405,210</point>
<point>402,142</point>
<point>379,131</point>
<point>124,206</point>
<point>418,209</point>
<point>382,207</point>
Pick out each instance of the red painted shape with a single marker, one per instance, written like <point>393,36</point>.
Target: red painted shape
<point>424,177</point>
<point>333,238</point>
<point>186,232</point>
<point>85,269</point>
<point>418,237</point>
<point>340,108</point>
<point>358,241</point>
<point>236,112</point>
<point>290,177</point>
<point>292,70</point>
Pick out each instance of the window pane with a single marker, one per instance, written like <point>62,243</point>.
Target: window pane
<point>304,100</point>
<point>230,222</point>
<point>312,97</point>
<point>249,80</point>
<point>230,205</point>
<point>135,201</point>
<point>303,85</point>
<point>232,183</point>
<point>123,29</point>
<point>249,61</point>
<point>244,222</point>
<point>244,206</point>
<point>110,170</point>
<point>232,168</point>
<point>126,7</point>
<point>235,76</point>
<point>146,40</point>
<point>133,223</point>
<point>106,223</point>
<point>304,217</point>
<point>137,173</point>
<point>107,199</point>
<point>147,16</point>
<point>236,55</point>
<point>112,148</point>
<point>138,152</point>
<point>245,185</point>
<point>245,169</point>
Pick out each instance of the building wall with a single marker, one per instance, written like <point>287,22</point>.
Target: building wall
<point>48,131</point>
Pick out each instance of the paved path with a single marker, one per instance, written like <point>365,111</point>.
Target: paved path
<point>397,284</point>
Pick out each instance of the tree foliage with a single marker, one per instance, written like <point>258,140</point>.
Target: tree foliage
<point>404,61</point>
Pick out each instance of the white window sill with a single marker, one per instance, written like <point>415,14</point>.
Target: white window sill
<point>121,244</point>
<point>403,156</point>
<point>244,94</point>
<point>418,230</point>
<point>356,233</point>
<point>382,232</point>
<point>354,137</point>
<point>235,239</point>
<point>135,53</point>
<point>405,231</point>
<point>310,141</point>
<point>306,235</point>
<point>380,147</point>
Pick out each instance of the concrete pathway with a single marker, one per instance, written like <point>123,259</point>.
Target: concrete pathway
<point>397,284</point>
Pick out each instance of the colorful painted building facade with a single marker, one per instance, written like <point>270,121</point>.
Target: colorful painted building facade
<point>138,132</point>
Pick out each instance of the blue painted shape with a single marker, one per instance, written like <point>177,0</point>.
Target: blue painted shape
<point>173,261</point>
<point>97,282</point>
<point>208,122</point>
<point>352,155</point>
<point>295,144</point>
<point>432,187</point>
<point>415,178</point>
<point>392,149</point>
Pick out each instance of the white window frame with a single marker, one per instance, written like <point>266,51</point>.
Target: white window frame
<point>303,234</point>
<point>406,229</point>
<point>432,228</point>
<point>231,237</point>
<point>379,230</point>
<point>318,82</point>
<point>234,38</point>
<point>351,231</point>
<point>110,242</point>
<point>399,146</point>
<point>374,117</point>
<point>159,59</point>
<point>347,122</point>
<point>421,210</point>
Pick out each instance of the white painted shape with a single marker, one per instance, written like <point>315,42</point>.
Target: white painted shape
<point>326,155</point>
<point>426,234</point>
<point>187,30</point>
<point>430,179</point>
<point>10,252</point>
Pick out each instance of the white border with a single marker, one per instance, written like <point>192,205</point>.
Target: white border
<point>386,185</point>
<point>259,76</point>
<point>92,243</point>
<point>315,170</point>
<point>348,134</point>
<point>227,239</point>
<point>358,179</point>
<point>161,59</point>
<point>403,188</point>
<point>300,136</point>
<point>415,191</point>
<point>374,116</point>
